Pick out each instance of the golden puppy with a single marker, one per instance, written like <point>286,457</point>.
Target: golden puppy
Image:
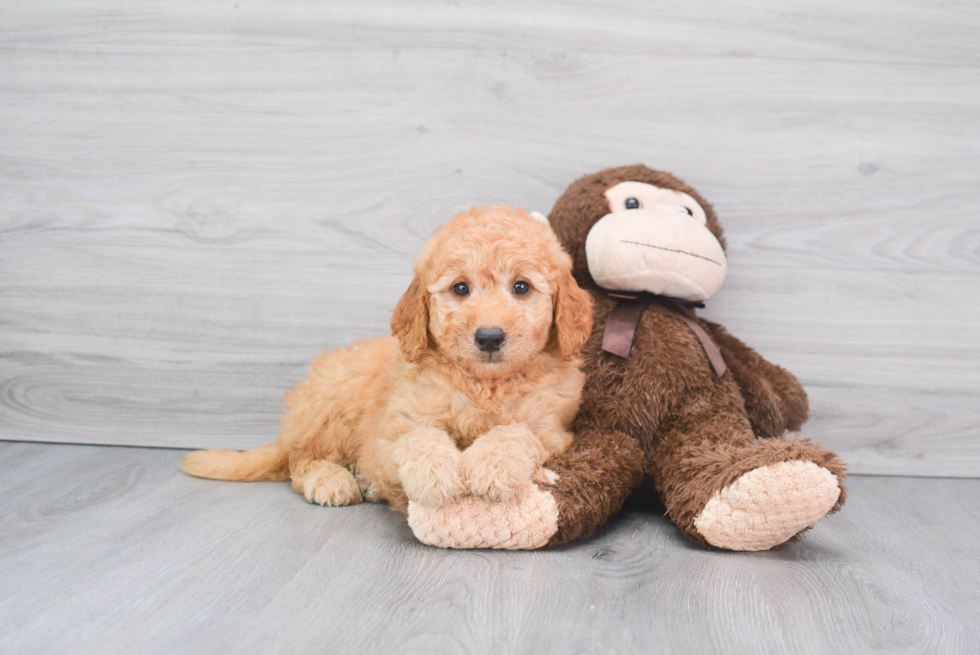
<point>474,391</point>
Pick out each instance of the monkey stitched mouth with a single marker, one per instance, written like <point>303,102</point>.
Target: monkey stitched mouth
<point>682,252</point>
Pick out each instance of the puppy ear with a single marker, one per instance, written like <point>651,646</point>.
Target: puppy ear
<point>573,316</point>
<point>410,321</point>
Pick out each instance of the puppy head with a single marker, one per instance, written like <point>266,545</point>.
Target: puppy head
<point>492,290</point>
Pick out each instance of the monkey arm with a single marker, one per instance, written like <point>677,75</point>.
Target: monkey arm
<point>774,399</point>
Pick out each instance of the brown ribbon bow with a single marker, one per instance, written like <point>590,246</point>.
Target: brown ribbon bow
<point>621,326</point>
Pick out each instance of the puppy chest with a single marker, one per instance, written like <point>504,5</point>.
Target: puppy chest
<point>465,425</point>
<point>471,413</point>
<point>469,418</point>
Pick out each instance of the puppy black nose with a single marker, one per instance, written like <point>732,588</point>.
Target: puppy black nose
<point>489,340</point>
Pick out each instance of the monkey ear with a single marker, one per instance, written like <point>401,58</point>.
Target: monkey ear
<point>410,321</point>
<point>573,316</point>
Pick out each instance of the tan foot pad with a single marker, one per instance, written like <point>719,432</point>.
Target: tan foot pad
<point>768,505</point>
<point>525,523</point>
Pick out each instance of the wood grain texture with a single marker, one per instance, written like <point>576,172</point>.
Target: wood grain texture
<point>197,197</point>
<point>113,550</point>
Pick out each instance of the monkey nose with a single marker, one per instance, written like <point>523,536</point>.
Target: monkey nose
<point>489,340</point>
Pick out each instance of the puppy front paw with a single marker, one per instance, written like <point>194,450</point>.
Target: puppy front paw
<point>430,468</point>
<point>498,469</point>
<point>432,483</point>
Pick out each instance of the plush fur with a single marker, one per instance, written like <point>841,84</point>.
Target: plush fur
<point>664,418</point>
<point>426,415</point>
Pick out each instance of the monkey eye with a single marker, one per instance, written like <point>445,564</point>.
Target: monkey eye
<point>689,212</point>
<point>632,203</point>
<point>461,289</point>
<point>520,288</point>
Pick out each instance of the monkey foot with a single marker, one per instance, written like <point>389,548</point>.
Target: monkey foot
<point>523,523</point>
<point>768,505</point>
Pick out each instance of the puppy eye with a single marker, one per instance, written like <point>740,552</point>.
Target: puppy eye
<point>521,288</point>
<point>632,203</point>
<point>461,289</point>
<point>689,212</point>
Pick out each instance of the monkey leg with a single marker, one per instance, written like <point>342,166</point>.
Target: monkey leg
<point>745,494</point>
<point>595,475</point>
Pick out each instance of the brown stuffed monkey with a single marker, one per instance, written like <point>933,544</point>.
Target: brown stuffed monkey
<point>671,401</point>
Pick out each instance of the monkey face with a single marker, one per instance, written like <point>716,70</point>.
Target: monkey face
<point>657,240</point>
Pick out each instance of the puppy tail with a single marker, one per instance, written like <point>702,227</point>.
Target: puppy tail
<point>268,462</point>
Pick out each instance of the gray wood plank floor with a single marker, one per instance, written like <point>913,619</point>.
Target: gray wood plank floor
<point>197,197</point>
<point>113,550</point>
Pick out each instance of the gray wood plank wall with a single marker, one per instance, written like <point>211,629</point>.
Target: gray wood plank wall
<point>197,197</point>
